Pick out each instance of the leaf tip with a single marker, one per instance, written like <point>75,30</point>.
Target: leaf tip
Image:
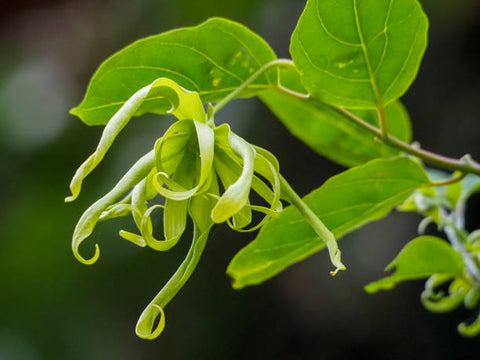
<point>76,112</point>
<point>376,286</point>
<point>236,284</point>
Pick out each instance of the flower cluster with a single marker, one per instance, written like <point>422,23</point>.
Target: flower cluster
<point>198,169</point>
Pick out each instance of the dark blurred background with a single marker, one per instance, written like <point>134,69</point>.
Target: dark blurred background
<point>53,307</point>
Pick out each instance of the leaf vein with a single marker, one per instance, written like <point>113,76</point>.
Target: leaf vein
<point>195,50</point>
<point>254,57</point>
<point>405,62</point>
<point>307,55</point>
<point>330,34</point>
<point>385,45</point>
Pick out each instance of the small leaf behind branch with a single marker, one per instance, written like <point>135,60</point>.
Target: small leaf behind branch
<point>331,135</point>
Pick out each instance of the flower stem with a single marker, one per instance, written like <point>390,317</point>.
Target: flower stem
<point>249,81</point>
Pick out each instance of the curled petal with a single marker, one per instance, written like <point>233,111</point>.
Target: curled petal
<point>175,220</point>
<point>236,196</point>
<point>175,217</point>
<point>472,298</point>
<point>200,206</point>
<point>92,215</point>
<point>266,168</point>
<point>229,170</point>
<point>144,328</point>
<point>112,129</point>
<point>133,238</point>
<point>268,156</point>
<point>141,194</point>
<point>269,213</point>
<point>440,302</point>
<point>470,330</point>
<point>174,150</point>
<point>268,171</point>
<point>147,320</point>
<point>322,231</point>
<point>115,211</point>
<point>185,105</point>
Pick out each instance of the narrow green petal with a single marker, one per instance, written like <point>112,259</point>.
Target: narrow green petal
<point>269,213</point>
<point>115,211</point>
<point>170,157</point>
<point>185,105</point>
<point>145,325</point>
<point>175,220</point>
<point>201,206</point>
<point>439,302</point>
<point>175,212</point>
<point>236,196</point>
<point>199,209</point>
<point>112,129</point>
<point>268,171</point>
<point>472,298</point>
<point>141,194</point>
<point>268,156</point>
<point>91,216</point>
<point>133,238</point>
<point>470,330</point>
<point>147,320</point>
<point>229,170</point>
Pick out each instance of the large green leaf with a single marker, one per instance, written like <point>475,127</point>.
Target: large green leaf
<point>344,203</point>
<point>212,58</point>
<point>330,134</point>
<point>419,259</point>
<point>353,53</point>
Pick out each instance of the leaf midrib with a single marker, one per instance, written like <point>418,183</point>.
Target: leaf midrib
<point>365,54</point>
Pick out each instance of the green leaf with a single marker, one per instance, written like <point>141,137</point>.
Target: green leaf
<point>329,133</point>
<point>419,259</point>
<point>344,203</point>
<point>355,53</point>
<point>212,59</point>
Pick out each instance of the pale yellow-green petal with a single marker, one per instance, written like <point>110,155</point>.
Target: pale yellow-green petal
<point>236,196</point>
<point>185,105</point>
<point>91,216</point>
<point>204,140</point>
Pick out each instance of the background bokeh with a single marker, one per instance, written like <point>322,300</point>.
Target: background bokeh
<point>53,307</point>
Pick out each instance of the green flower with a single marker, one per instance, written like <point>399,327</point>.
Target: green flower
<point>200,170</point>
